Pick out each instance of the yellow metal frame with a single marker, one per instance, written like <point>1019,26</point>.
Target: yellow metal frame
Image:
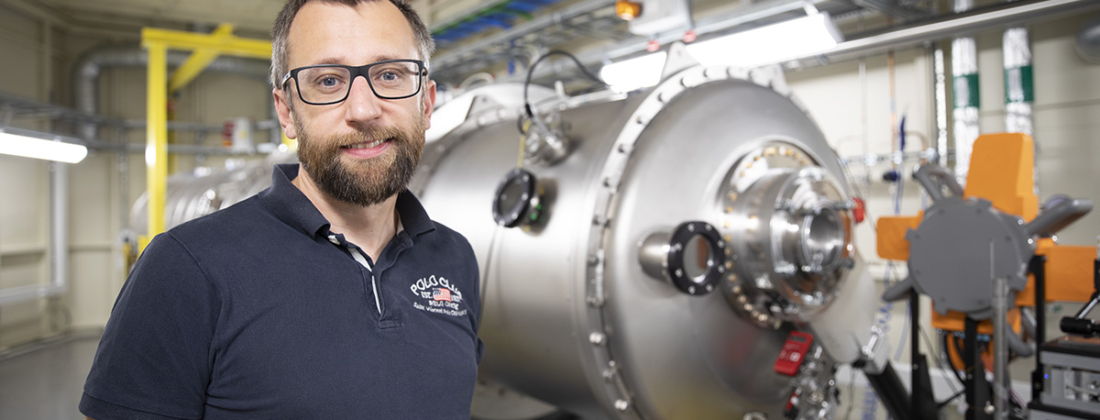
<point>198,61</point>
<point>205,48</point>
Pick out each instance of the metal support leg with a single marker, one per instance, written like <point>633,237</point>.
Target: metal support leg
<point>922,398</point>
<point>892,393</point>
<point>977,387</point>
<point>1037,267</point>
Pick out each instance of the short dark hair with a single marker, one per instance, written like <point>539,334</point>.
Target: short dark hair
<point>424,43</point>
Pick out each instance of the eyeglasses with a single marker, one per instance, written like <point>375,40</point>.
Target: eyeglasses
<point>328,84</point>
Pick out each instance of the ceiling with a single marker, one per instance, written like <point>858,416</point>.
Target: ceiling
<point>251,17</point>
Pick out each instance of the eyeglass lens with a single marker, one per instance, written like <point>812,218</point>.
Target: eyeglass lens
<point>389,80</point>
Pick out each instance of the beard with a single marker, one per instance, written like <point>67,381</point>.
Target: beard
<point>364,182</point>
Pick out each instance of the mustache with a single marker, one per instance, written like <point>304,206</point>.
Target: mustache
<point>367,135</point>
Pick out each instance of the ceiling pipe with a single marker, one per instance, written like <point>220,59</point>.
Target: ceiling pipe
<point>87,70</point>
<point>910,35</point>
<point>452,57</point>
<point>891,8</point>
<point>976,20</point>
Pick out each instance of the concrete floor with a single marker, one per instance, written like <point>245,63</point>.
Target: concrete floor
<point>46,383</point>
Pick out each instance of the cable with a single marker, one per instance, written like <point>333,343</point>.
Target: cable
<point>528,111</point>
<point>485,281</point>
<point>948,400</point>
<point>531,71</point>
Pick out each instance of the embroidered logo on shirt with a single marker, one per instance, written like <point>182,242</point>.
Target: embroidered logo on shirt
<point>440,295</point>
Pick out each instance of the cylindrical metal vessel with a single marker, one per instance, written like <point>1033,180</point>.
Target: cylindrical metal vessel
<point>653,254</point>
<point>573,317</point>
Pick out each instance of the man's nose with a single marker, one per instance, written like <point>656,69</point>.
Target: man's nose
<point>362,105</point>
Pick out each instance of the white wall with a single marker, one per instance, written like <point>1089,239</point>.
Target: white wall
<point>24,203</point>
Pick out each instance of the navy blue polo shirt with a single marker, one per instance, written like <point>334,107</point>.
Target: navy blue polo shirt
<point>258,311</point>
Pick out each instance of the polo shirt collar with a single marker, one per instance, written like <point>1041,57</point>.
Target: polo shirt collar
<point>288,204</point>
<point>414,218</point>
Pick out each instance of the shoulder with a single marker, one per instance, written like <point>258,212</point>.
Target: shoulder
<point>451,237</point>
<point>221,225</point>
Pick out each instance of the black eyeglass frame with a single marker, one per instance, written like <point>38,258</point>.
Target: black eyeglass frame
<point>355,72</point>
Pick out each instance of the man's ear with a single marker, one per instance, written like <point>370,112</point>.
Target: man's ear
<point>429,103</point>
<point>286,118</point>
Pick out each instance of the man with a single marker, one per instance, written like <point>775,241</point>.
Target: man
<point>330,295</point>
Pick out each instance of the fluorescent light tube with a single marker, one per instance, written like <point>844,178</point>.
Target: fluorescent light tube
<point>635,73</point>
<point>770,44</point>
<point>18,145</point>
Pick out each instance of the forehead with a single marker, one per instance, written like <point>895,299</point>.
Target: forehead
<point>371,31</point>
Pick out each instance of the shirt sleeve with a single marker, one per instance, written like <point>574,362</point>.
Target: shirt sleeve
<point>154,360</point>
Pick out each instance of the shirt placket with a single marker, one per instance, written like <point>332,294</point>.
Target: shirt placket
<point>360,257</point>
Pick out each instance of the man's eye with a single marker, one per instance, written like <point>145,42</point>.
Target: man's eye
<point>389,76</point>
<point>327,81</point>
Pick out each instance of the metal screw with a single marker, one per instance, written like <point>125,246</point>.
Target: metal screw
<point>621,405</point>
<point>596,338</point>
<point>594,301</point>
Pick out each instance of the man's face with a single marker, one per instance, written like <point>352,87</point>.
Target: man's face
<point>365,149</point>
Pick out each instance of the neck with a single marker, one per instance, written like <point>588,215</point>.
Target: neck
<point>369,227</point>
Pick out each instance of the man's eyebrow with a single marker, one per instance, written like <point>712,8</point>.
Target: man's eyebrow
<point>328,60</point>
<point>334,60</point>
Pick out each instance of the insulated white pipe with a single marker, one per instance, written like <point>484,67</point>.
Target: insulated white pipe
<point>1019,86</point>
<point>940,99</point>
<point>59,228</point>
<point>964,70</point>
